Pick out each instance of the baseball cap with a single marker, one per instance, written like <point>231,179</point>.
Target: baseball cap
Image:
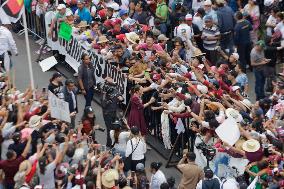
<point>140,167</point>
<point>260,43</point>
<point>123,12</point>
<point>207,2</point>
<point>162,37</point>
<point>208,18</point>
<point>188,17</point>
<point>61,6</point>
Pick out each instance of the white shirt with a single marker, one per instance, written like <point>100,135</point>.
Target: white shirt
<point>176,106</point>
<point>122,140</point>
<point>183,28</point>
<point>198,21</point>
<point>139,152</point>
<point>271,20</point>
<point>41,8</point>
<point>196,5</point>
<point>4,148</point>
<point>7,42</point>
<point>157,179</point>
<point>280,27</point>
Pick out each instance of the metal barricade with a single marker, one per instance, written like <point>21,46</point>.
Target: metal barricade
<point>36,25</point>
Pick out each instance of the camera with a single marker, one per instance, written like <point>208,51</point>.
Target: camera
<point>208,151</point>
<point>110,90</point>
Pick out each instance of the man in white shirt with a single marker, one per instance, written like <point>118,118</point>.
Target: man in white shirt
<point>7,44</point>
<point>198,18</point>
<point>209,11</point>
<point>183,28</point>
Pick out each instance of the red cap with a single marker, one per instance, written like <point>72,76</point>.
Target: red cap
<point>181,96</point>
<point>156,77</point>
<point>102,13</point>
<point>108,23</point>
<point>145,28</point>
<point>116,22</point>
<point>120,37</point>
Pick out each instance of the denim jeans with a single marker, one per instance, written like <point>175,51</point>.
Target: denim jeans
<point>259,84</point>
<point>89,96</point>
<point>163,28</point>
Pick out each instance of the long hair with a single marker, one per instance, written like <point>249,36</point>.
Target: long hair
<point>116,134</point>
<point>135,89</point>
<point>42,164</point>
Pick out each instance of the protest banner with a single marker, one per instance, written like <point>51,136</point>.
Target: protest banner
<point>65,31</point>
<point>229,131</point>
<point>59,109</point>
<point>73,50</point>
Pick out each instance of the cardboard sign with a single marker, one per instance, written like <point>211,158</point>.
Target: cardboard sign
<point>229,131</point>
<point>59,109</point>
<point>65,31</point>
<point>47,63</point>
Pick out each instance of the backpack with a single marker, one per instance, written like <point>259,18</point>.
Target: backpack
<point>211,184</point>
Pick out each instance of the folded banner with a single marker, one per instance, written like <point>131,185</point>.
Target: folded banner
<point>13,9</point>
<point>73,50</point>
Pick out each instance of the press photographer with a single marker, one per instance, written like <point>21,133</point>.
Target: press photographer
<point>110,101</point>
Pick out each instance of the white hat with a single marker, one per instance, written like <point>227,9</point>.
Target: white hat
<point>202,88</point>
<point>162,37</point>
<point>61,6</point>
<point>114,6</point>
<point>188,17</point>
<point>251,145</point>
<point>109,177</point>
<point>69,13</point>
<point>207,2</point>
<point>268,2</point>
<point>230,112</point>
<point>200,66</point>
<point>236,56</point>
<point>220,2</point>
<point>132,37</point>
<point>34,121</point>
<point>246,103</point>
<point>234,88</point>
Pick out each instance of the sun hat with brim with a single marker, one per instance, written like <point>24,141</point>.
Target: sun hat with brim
<point>246,103</point>
<point>34,121</point>
<point>239,144</point>
<point>109,177</point>
<point>132,37</point>
<point>202,88</point>
<point>230,112</point>
<point>251,145</point>
<point>102,39</point>
<point>61,170</point>
<point>197,52</point>
<point>82,24</point>
<point>162,37</point>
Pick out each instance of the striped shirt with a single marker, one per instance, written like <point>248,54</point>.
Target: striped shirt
<point>210,32</point>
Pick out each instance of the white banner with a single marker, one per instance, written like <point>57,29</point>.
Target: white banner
<point>59,109</point>
<point>73,50</point>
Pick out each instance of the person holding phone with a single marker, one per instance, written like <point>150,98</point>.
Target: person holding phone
<point>258,62</point>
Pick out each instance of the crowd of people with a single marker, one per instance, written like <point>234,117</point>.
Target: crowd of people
<point>185,62</point>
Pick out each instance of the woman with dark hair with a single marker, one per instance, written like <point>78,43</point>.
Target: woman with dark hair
<point>119,138</point>
<point>158,176</point>
<point>136,115</point>
<point>55,85</point>
<point>88,121</point>
<point>46,168</point>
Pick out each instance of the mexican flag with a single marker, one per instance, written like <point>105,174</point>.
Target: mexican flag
<point>14,8</point>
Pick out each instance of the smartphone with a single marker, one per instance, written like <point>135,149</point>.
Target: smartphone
<point>147,74</point>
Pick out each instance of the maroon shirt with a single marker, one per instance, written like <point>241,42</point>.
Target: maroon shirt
<point>254,156</point>
<point>10,168</point>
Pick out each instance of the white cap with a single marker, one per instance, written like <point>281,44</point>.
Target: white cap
<point>61,6</point>
<point>207,2</point>
<point>234,88</point>
<point>114,6</point>
<point>188,17</point>
<point>236,56</point>
<point>69,13</point>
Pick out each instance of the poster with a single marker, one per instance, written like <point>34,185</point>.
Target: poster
<point>59,109</point>
<point>229,131</point>
<point>47,63</point>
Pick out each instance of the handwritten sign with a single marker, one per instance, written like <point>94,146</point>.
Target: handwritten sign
<point>65,31</point>
<point>59,109</point>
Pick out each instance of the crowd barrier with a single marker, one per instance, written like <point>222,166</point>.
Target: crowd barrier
<point>39,26</point>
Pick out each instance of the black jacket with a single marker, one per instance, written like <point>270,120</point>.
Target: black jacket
<point>68,98</point>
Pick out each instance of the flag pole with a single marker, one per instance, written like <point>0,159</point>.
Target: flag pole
<point>29,53</point>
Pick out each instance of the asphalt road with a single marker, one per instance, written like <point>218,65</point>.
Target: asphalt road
<point>41,79</point>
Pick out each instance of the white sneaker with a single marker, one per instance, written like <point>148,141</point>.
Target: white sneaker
<point>75,74</point>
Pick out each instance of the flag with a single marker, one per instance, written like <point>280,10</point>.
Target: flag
<point>13,9</point>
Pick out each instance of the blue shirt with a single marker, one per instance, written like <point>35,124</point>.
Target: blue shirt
<point>84,15</point>
<point>242,32</point>
<point>226,19</point>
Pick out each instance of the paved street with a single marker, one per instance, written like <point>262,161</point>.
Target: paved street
<point>22,81</point>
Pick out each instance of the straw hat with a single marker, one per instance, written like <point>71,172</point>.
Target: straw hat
<point>197,52</point>
<point>239,144</point>
<point>102,39</point>
<point>246,103</point>
<point>109,177</point>
<point>251,145</point>
<point>82,24</point>
<point>34,121</point>
<point>230,112</point>
<point>132,37</point>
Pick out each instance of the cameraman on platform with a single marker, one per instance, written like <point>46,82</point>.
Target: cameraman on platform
<point>110,102</point>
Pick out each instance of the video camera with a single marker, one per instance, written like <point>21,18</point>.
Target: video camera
<point>110,90</point>
<point>208,151</point>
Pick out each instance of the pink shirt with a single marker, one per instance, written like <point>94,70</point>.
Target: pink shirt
<point>156,47</point>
